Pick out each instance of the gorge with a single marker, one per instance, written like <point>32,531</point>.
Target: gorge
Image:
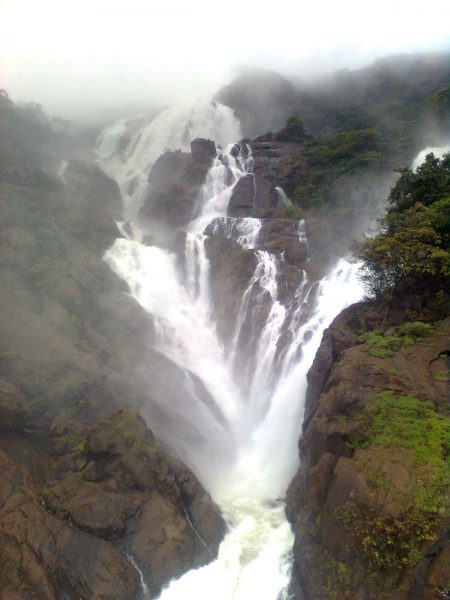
<point>197,325</point>
<point>250,432</point>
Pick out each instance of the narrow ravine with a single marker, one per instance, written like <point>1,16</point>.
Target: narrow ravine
<point>252,437</point>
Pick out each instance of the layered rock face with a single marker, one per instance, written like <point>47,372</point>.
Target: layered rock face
<point>363,530</point>
<point>86,489</point>
<point>80,504</point>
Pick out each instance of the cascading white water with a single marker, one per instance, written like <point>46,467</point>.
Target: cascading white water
<point>253,457</point>
<point>128,149</point>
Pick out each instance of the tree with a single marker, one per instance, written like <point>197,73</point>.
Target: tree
<point>429,183</point>
<point>413,245</point>
<point>293,131</point>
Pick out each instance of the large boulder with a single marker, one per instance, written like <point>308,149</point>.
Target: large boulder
<point>242,200</point>
<point>231,270</point>
<point>203,151</point>
<point>173,197</point>
<point>40,552</point>
<point>116,482</point>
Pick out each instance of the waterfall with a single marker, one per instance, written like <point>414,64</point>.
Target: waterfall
<point>253,445</point>
<point>128,149</point>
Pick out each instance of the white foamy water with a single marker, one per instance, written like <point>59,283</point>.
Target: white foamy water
<point>251,461</point>
<point>128,149</point>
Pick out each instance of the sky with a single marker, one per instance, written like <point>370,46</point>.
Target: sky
<point>82,56</point>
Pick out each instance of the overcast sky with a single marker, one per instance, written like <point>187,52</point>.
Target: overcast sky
<point>73,54</point>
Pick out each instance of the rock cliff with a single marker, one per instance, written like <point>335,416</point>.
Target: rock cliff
<point>87,491</point>
<point>367,502</point>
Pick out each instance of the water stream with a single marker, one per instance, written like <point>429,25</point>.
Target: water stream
<point>253,455</point>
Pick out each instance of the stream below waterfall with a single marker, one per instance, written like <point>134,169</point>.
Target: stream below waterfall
<point>252,449</point>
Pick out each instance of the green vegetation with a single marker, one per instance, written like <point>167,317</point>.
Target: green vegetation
<point>439,104</point>
<point>342,153</point>
<point>441,376</point>
<point>294,129</point>
<point>383,346</point>
<point>291,212</point>
<point>413,248</point>
<point>416,330</point>
<point>338,583</point>
<point>430,182</point>
<point>389,421</point>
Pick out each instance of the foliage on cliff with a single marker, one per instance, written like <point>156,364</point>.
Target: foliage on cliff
<point>390,422</point>
<point>347,151</point>
<point>413,246</point>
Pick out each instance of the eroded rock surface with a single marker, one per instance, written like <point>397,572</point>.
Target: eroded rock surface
<point>77,502</point>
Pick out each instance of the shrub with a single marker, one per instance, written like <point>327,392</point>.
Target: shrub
<point>294,128</point>
<point>390,420</point>
<point>383,346</point>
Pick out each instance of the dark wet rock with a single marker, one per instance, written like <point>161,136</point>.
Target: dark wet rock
<point>253,196</point>
<point>242,200</point>
<point>283,236</point>
<point>231,271</point>
<point>203,151</point>
<point>173,193</point>
<point>277,163</point>
<point>41,553</point>
<point>179,249</point>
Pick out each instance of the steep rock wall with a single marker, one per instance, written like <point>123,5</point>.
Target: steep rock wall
<point>355,502</point>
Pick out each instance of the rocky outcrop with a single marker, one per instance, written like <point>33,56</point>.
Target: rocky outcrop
<point>275,165</point>
<point>356,499</point>
<point>231,271</point>
<point>203,151</point>
<point>174,186</point>
<point>278,163</point>
<point>83,486</point>
<point>284,236</point>
<point>242,201</point>
<point>106,493</point>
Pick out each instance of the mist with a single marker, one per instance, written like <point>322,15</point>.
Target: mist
<point>87,59</point>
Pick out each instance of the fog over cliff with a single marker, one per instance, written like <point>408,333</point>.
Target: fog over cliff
<point>80,58</point>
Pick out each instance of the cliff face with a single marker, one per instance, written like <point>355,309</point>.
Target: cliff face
<point>84,483</point>
<point>367,503</point>
<point>80,506</point>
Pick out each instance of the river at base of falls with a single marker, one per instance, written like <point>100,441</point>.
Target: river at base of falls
<point>250,461</point>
